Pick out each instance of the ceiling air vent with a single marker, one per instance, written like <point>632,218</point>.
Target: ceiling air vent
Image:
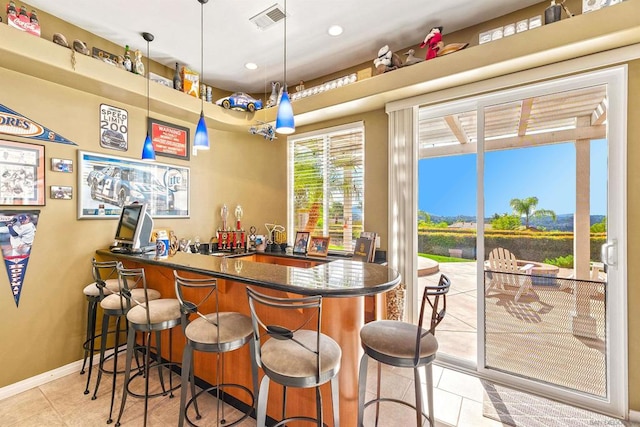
<point>268,17</point>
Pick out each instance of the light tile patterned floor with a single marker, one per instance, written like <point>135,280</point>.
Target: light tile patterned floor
<point>457,401</point>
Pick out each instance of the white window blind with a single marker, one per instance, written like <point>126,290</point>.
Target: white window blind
<point>326,184</point>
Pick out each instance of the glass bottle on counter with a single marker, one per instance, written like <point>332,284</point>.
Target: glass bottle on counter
<point>177,81</point>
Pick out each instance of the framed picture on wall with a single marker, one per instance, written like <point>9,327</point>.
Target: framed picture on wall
<point>106,183</point>
<point>61,165</point>
<point>318,246</point>
<point>168,139</point>
<point>61,192</point>
<point>21,174</point>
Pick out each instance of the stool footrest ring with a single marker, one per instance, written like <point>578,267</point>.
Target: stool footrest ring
<point>221,386</point>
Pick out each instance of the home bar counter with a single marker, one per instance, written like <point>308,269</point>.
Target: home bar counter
<point>343,283</point>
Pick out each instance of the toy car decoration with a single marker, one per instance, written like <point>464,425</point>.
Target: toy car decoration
<point>240,101</point>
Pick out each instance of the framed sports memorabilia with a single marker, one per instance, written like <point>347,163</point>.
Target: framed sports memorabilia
<point>21,174</point>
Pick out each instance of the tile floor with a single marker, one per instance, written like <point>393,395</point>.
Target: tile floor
<point>457,401</point>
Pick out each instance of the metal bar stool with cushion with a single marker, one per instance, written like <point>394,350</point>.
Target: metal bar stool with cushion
<point>215,332</point>
<point>300,357</point>
<point>116,305</point>
<point>147,316</point>
<point>105,281</point>
<point>404,345</point>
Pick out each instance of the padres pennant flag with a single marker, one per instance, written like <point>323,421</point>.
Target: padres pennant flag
<point>12,123</point>
<point>17,232</point>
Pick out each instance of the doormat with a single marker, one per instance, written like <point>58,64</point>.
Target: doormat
<point>519,409</point>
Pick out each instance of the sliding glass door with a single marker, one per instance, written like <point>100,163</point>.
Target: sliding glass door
<point>520,203</point>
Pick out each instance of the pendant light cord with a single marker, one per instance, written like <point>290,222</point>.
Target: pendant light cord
<point>148,74</point>
<point>284,84</point>
<point>201,53</point>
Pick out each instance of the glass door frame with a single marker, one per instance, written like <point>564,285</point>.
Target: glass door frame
<point>616,81</point>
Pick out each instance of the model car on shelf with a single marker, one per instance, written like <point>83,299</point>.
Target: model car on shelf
<point>240,101</point>
<point>121,185</point>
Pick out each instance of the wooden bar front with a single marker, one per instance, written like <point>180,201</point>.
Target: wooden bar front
<point>344,284</point>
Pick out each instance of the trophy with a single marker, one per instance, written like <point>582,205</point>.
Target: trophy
<point>239,235</point>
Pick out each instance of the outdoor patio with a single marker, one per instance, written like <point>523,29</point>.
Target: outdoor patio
<point>533,337</point>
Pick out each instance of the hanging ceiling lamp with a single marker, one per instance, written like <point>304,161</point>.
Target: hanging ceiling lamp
<point>201,139</point>
<point>284,121</point>
<point>148,153</point>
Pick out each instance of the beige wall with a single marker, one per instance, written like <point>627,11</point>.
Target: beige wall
<point>633,233</point>
<point>46,331</point>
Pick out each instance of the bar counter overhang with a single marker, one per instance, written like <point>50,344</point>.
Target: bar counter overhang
<point>343,283</point>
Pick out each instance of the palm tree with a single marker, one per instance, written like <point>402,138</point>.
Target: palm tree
<point>527,208</point>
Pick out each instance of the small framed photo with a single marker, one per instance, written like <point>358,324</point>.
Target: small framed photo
<point>63,193</point>
<point>61,165</point>
<point>301,242</point>
<point>318,246</point>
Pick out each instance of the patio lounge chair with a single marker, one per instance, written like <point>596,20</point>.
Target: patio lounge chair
<point>505,276</point>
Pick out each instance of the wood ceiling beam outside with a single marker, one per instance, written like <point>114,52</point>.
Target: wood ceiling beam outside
<point>525,114</point>
<point>456,129</point>
<point>583,133</point>
<point>599,115</point>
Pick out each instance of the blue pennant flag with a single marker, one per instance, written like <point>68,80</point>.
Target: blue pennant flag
<point>13,123</point>
<point>17,233</point>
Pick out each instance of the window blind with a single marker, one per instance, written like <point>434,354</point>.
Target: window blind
<point>326,184</point>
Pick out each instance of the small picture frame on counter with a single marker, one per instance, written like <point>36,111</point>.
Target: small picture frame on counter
<point>318,246</point>
<point>301,243</point>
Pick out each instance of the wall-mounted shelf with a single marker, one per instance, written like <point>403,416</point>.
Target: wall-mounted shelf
<point>606,29</point>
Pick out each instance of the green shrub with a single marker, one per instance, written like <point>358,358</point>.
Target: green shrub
<point>561,261</point>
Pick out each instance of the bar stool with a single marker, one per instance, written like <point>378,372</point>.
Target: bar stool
<point>215,332</point>
<point>117,305</point>
<point>295,357</point>
<point>404,345</point>
<point>105,281</point>
<point>147,316</point>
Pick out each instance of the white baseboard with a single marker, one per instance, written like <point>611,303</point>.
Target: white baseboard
<point>38,380</point>
<point>634,416</point>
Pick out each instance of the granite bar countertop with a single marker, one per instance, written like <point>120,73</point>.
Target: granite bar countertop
<point>337,278</point>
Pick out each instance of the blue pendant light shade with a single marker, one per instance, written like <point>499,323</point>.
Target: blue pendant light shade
<point>148,153</point>
<point>284,120</point>
<point>201,138</point>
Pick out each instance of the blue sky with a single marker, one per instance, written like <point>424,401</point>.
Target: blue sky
<point>447,185</point>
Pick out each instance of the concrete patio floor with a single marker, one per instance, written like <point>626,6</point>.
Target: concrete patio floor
<point>541,323</point>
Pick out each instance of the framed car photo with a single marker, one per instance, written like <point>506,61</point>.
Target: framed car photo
<point>106,183</point>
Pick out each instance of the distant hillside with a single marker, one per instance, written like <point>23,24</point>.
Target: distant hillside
<point>563,222</point>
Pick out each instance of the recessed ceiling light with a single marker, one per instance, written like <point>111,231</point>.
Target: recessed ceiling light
<point>335,30</point>
<point>250,66</point>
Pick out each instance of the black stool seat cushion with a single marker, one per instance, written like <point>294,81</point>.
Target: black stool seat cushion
<point>289,359</point>
<point>92,290</point>
<point>160,310</point>
<point>395,339</point>
<point>232,327</point>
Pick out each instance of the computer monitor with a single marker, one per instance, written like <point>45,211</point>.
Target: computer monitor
<point>134,228</point>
